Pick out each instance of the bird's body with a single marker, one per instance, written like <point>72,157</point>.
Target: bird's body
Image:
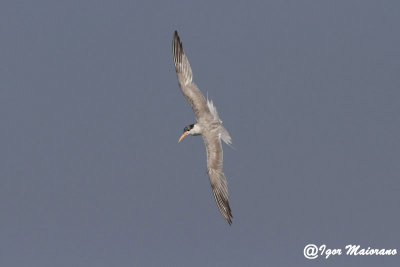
<point>208,125</point>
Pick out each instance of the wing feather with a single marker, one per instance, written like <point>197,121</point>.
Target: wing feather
<point>217,177</point>
<point>188,87</point>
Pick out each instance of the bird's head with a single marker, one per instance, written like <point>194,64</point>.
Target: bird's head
<point>192,129</point>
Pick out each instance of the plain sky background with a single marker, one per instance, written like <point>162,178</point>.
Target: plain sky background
<point>90,109</point>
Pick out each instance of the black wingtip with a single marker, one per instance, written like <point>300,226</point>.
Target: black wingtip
<point>176,35</point>
<point>176,38</point>
<point>177,50</point>
<point>230,217</point>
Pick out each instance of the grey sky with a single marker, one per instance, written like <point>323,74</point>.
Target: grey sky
<point>92,175</point>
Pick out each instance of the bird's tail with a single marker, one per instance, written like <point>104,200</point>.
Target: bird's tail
<point>225,136</point>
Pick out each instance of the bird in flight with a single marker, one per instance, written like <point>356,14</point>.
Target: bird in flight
<point>208,125</point>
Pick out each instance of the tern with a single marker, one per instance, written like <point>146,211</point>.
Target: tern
<point>208,125</point>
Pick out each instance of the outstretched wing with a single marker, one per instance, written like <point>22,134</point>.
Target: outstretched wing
<point>188,87</point>
<point>217,177</point>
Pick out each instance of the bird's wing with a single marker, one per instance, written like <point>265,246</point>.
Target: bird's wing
<point>217,177</point>
<point>188,87</point>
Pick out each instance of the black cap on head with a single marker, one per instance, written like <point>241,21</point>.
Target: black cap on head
<point>188,128</point>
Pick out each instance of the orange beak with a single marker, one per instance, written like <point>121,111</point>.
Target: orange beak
<point>182,136</point>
